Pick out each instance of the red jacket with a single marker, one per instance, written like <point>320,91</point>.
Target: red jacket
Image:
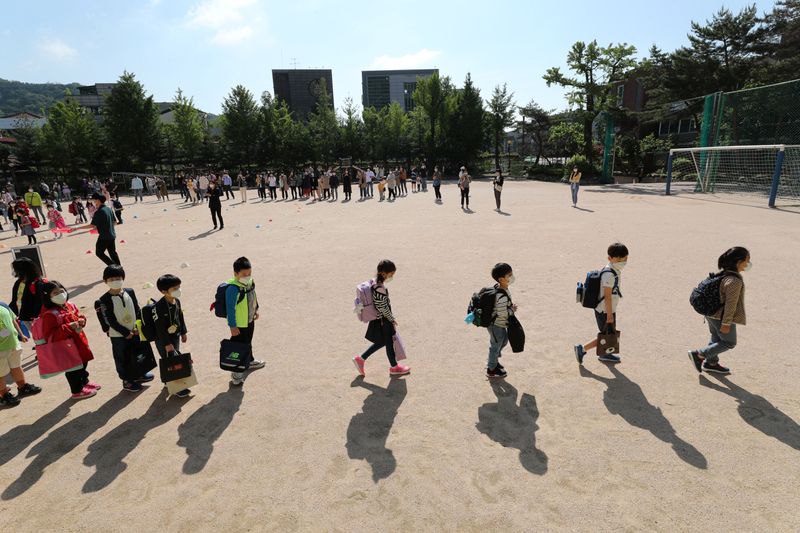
<point>55,327</point>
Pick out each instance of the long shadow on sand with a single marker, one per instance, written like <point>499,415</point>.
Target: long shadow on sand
<point>18,438</point>
<point>625,398</point>
<point>63,440</point>
<point>512,425</point>
<point>369,429</point>
<point>759,412</point>
<point>107,454</point>
<point>202,429</point>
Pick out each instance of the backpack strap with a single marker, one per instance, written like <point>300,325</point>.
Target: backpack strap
<point>616,283</point>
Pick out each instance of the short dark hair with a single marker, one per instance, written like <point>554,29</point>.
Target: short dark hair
<point>167,281</point>
<point>98,196</point>
<point>617,250</point>
<point>47,288</point>
<point>25,268</point>
<point>501,270</point>
<point>242,263</point>
<point>732,257</point>
<point>385,267</point>
<point>113,271</point>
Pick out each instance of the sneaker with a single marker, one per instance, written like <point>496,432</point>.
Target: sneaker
<point>255,364</point>
<point>132,386</point>
<point>183,394</point>
<point>696,359</point>
<point>499,366</point>
<point>146,378</point>
<point>497,372</point>
<point>716,368</point>
<point>83,394</point>
<point>29,389</point>
<point>399,370</point>
<point>9,400</point>
<point>359,365</point>
<point>237,382</point>
<point>92,385</point>
<point>580,353</point>
<point>609,358</point>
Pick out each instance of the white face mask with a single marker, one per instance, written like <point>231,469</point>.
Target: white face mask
<point>245,280</point>
<point>175,293</point>
<point>387,280</point>
<point>749,266</point>
<point>511,279</point>
<point>115,284</point>
<point>619,266</point>
<point>59,299</point>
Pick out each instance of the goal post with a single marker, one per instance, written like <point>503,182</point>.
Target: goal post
<point>771,170</point>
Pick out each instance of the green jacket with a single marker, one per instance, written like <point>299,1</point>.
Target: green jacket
<point>238,310</point>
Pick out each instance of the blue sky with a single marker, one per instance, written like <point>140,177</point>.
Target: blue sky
<point>208,46</point>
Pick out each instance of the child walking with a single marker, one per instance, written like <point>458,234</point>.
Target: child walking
<point>56,222</point>
<point>503,274</point>
<point>169,323</point>
<point>26,223</point>
<point>722,324</point>
<point>381,331</point>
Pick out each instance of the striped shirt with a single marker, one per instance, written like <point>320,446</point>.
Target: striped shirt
<point>502,308</point>
<point>731,292</point>
<point>380,297</point>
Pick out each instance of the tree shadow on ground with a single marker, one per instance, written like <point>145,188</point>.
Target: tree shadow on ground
<point>107,454</point>
<point>18,438</point>
<point>625,398</point>
<point>512,425</point>
<point>76,291</point>
<point>369,429</point>
<point>759,412</point>
<point>202,429</point>
<point>63,440</point>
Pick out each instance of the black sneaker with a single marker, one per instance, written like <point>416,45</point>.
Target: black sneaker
<point>609,358</point>
<point>183,394</point>
<point>146,378</point>
<point>697,359</point>
<point>580,353</point>
<point>9,400</point>
<point>497,372</point>
<point>716,368</point>
<point>132,386</point>
<point>28,389</point>
<point>499,366</point>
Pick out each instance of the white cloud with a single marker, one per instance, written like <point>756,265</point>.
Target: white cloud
<point>57,49</point>
<point>224,17</point>
<point>422,58</point>
<point>232,36</point>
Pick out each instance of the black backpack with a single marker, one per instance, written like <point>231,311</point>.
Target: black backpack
<point>220,305</point>
<point>149,317</point>
<point>705,298</point>
<point>589,293</point>
<point>481,305</point>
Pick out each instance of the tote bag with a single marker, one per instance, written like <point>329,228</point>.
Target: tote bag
<point>57,357</point>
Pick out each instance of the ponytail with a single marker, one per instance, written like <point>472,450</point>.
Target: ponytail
<point>732,257</point>
<point>384,267</point>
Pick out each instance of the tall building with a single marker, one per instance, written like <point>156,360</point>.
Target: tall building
<point>382,87</point>
<point>301,89</point>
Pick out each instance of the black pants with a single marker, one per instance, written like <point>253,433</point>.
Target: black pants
<point>228,191</point>
<point>437,191</point>
<point>381,333</point>
<point>245,335</point>
<point>118,214</point>
<point>284,193</point>
<point>272,193</point>
<point>497,199</point>
<point>109,245</point>
<point>465,196</point>
<point>77,379</point>
<point>31,239</point>
<point>392,193</point>
<point>335,192</point>
<point>363,193</point>
<point>294,192</point>
<point>262,193</point>
<point>216,212</point>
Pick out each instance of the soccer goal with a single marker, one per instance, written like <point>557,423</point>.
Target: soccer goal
<point>768,171</point>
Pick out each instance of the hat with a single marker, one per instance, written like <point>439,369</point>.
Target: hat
<point>98,196</point>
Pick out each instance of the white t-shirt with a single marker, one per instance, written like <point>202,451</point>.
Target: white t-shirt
<point>204,182</point>
<point>370,176</point>
<point>607,280</point>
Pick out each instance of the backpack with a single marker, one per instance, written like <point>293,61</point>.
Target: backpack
<point>220,305</point>
<point>481,306</point>
<point>34,222</point>
<point>589,294</point>
<point>72,210</point>
<point>705,298</point>
<point>98,309</point>
<point>149,317</point>
<point>364,307</point>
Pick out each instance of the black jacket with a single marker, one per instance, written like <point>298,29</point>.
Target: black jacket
<point>104,307</point>
<point>166,316</point>
<point>31,299</point>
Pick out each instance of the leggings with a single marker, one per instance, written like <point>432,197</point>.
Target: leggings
<point>216,212</point>
<point>465,196</point>
<point>77,379</point>
<point>272,194</point>
<point>437,191</point>
<point>294,192</point>
<point>377,346</point>
<point>284,193</point>
<point>31,239</point>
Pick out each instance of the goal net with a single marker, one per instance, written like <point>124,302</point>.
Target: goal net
<point>769,172</point>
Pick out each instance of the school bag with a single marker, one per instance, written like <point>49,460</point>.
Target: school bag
<point>364,307</point>
<point>149,317</point>
<point>705,298</point>
<point>72,210</point>
<point>480,311</point>
<point>34,222</point>
<point>589,293</point>
<point>220,305</point>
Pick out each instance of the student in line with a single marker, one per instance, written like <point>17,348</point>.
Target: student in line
<point>503,275</point>
<point>272,182</point>
<point>118,310</point>
<point>241,181</point>
<point>498,187</point>
<point>575,184</point>
<point>334,185</point>
<point>606,311</point>
<point>391,183</point>
<point>169,323</point>
<point>261,187</point>
<point>437,183</point>
<point>347,184</point>
<point>11,359</point>
<point>214,194</point>
<point>61,320</point>
<point>380,332</point>
<point>242,313</point>
<point>722,324</point>
<point>464,180</point>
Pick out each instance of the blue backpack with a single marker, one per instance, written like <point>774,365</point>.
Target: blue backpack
<point>220,305</point>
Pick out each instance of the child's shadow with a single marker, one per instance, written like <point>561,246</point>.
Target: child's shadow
<point>625,398</point>
<point>369,429</point>
<point>759,412</point>
<point>512,425</point>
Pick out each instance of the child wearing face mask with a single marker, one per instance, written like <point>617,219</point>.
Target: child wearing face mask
<point>241,303</point>
<point>722,324</point>
<point>118,310</point>
<point>169,324</point>
<point>61,320</point>
<point>503,274</point>
<point>606,311</point>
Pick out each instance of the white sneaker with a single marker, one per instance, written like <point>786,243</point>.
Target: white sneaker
<point>255,364</point>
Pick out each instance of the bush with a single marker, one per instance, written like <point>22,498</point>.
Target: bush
<point>581,162</point>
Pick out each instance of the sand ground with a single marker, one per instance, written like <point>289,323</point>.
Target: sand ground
<point>304,446</point>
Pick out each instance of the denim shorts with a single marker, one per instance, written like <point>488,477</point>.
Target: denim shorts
<point>601,321</point>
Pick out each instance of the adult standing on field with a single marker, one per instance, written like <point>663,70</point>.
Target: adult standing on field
<point>34,201</point>
<point>575,184</point>
<point>136,188</point>
<point>464,180</point>
<point>103,222</point>
<point>498,187</point>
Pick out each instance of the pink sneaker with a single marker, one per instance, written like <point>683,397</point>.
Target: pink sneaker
<point>83,394</point>
<point>399,370</point>
<point>93,385</point>
<point>359,365</point>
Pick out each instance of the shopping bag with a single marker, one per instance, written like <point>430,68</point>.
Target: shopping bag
<point>399,347</point>
<point>57,357</point>
<point>608,342</point>
<point>175,366</point>
<point>139,359</point>
<point>234,356</point>
<point>178,385</point>
<point>516,335</point>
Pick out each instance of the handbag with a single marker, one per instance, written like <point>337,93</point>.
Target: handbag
<point>175,366</point>
<point>234,356</point>
<point>57,357</point>
<point>178,385</point>
<point>399,347</point>
<point>516,335</point>
<point>608,341</point>
<point>139,358</point>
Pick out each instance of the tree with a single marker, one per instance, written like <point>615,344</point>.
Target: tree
<point>567,137</point>
<point>351,128</point>
<point>537,125</point>
<point>464,129</point>
<point>778,43</point>
<point>499,116</point>
<point>240,126</point>
<point>596,69</point>
<point>131,124</point>
<point>323,128</point>
<point>187,129</point>
<point>374,126</point>
<point>70,137</point>
<point>431,94</point>
<point>395,130</point>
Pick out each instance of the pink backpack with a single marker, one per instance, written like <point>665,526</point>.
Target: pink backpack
<point>364,307</point>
